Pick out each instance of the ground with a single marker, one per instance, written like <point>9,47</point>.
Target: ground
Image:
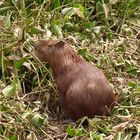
<point>106,33</point>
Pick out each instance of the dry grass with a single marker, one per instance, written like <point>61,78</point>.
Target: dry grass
<point>106,33</point>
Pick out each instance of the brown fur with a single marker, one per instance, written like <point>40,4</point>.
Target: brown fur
<point>83,88</point>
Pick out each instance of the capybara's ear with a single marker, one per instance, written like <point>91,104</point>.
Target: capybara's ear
<point>59,44</point>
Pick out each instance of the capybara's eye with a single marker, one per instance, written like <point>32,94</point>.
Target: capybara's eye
<point>49,46</point>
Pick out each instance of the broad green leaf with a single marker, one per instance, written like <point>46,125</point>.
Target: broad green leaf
<point>131,84</point>
<point>9,90</point>
<point>20,62</point>
<point>56,30</point>
<point>110,34</point>
<point>36,30</point>
<point>79,132</point>
<point>74,132</point>
<point>82,51</point>
<point>56,3</point>
<point>69,11</point>
<point>132,71</point>
<point>70,131</point>
<point>80,7</point>
<point>37,120</point>
<point>13,137</point>
<point>90,24</point>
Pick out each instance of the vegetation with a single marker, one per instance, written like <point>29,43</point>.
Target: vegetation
<point>105,32</point>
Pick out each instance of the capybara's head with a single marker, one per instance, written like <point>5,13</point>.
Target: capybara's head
<point>47,50</point>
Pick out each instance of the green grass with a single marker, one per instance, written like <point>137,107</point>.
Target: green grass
<point>104,32</point>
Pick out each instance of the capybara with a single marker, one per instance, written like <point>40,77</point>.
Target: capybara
<point>83,88</point>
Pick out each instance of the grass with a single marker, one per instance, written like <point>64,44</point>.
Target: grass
<point>104,32</point>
